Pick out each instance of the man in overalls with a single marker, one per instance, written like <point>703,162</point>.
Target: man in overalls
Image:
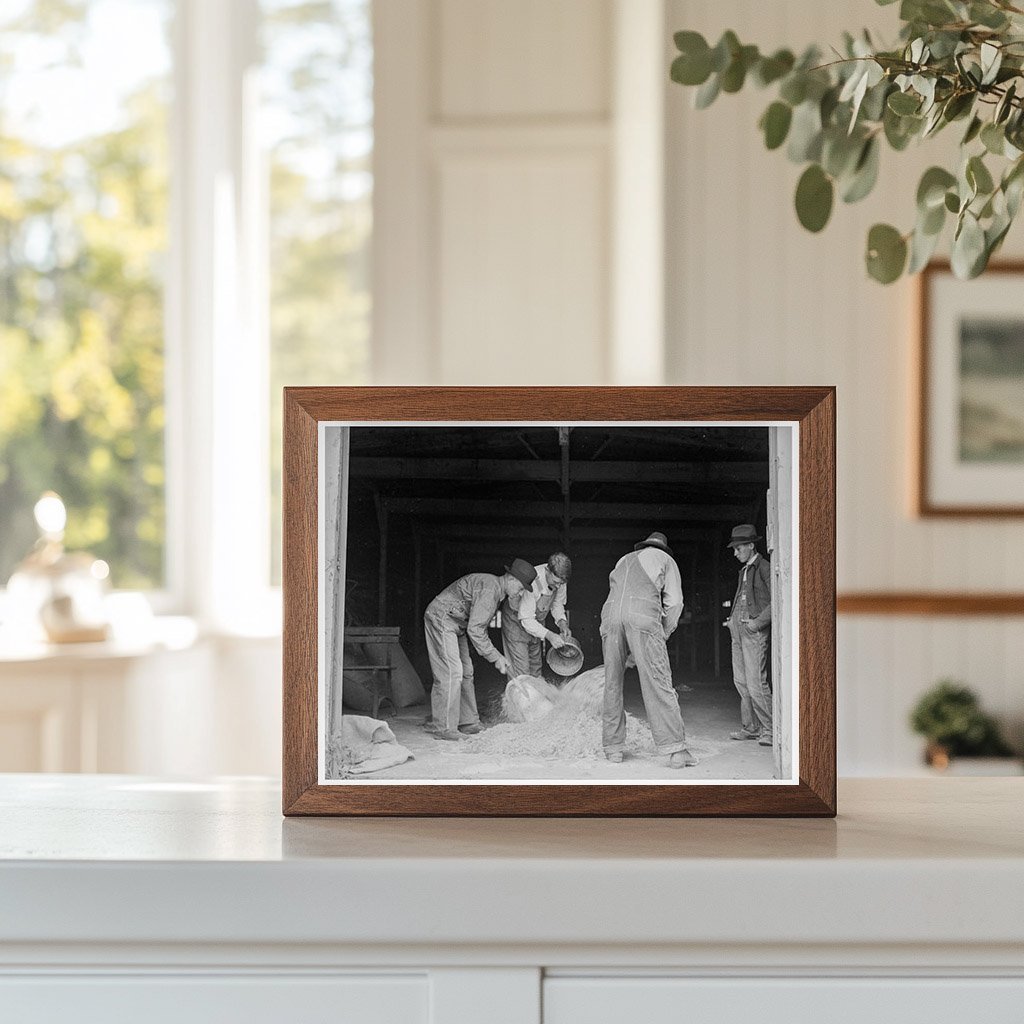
<point>749,625</point>
<point>459,614</point>
<point>522,619</point>
<point>645,600</point>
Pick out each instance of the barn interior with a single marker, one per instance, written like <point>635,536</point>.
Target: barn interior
<point>427,505</point>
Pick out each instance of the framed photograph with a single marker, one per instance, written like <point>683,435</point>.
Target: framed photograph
<point>559,601</point>
<point>971,393</point>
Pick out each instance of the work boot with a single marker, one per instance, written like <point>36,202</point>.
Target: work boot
<point>615,756</point>
<point>472,729</point>
<point>445,734</point>
<point>742,734</point>
<point>765,740</point>
<point>682,759</point>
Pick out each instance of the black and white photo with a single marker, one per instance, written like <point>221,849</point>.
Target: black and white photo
<point>577,602</point>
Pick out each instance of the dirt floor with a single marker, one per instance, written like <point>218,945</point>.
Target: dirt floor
<point>710,712</point>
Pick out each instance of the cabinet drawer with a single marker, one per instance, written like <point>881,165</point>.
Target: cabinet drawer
<point>223,999</point>
<point>589,1000</point>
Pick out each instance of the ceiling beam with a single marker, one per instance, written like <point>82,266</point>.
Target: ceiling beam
<point>505,509</point>
<point>580,471</point>
<point>489,533</point>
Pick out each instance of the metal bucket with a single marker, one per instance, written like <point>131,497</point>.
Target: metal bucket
<point>566,660</point>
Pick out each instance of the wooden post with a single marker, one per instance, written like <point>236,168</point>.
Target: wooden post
<point>382,574</point>
<point>716,600</point>
<point>780,547</point>
<point>417,586</point>
<point>563,443</point>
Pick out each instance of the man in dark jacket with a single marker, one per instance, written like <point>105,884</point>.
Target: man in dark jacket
<point>749,625</point>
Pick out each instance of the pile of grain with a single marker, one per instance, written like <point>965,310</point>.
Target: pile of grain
<point>550,722</point>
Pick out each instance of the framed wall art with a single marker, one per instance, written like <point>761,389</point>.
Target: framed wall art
<point>559,601</point>
<point>970,444</point>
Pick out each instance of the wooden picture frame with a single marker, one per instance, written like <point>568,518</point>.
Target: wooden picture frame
<point>964,467</point>
<point>799,422</point>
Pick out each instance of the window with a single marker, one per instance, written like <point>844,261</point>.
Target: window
<point>83,236</point>
<point>317,118</point>
<point>185,222</point>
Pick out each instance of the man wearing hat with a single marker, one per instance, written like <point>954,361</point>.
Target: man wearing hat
<point>645,600</point>
<point>522,619</point>
<point>459,614</point>
<point>749,625</point>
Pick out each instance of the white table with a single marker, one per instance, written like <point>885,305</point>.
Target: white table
<point>126,896</point>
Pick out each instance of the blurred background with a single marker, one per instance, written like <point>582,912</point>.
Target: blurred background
<point>202,201</point>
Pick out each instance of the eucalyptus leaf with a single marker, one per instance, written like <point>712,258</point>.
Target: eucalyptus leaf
<point>840,152</point>
<point>724,51</point>
<point>814,195</point>
<point>922,248</point>
<point>707,93</point>
<point>693,65</point>
<point>991,60</point>
<point>978,175</point>
<point>865,173</point>
<point>794,88</point>
<point>873,106</point>
<point>968,247</point>
<point>958,105</point>
<point>805,133</point>
<point>771,69</point>
<point>932,221</point>
<point>735,74</point>
<point>987,15</point>
<point>900,130</point>
<point>886,253</point>
<point>775,124</point>
<point>973,129</point>
<point>903,103</point>
<point>952,202</point>
<point>931,190</point>
<point>993,138</point>
<point>1004,106</point>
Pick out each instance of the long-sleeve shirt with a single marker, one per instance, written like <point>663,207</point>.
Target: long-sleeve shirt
<point>664,574</point>
<point>538,601</point>
<point>470,603</point>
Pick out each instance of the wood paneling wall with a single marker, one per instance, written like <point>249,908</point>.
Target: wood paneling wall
<point>501,152</point>
<point>753,298</point>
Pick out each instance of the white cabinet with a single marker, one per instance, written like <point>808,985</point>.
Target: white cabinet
<point>205,999</point>
<point>824,1000</point>
<point>133,898</point>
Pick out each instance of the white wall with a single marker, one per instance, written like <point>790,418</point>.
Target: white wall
<point>507,254</point>
<point>754,299</point>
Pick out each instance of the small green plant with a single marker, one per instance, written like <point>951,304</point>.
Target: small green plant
<point>950,717</point>
<point>956,61</point>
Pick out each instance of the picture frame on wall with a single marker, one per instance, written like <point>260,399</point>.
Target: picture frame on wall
<point>559,601</point>
<point>970,384</point>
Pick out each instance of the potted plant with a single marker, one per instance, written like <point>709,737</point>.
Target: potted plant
<point>949,716</point>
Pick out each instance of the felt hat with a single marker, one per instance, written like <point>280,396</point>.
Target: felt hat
<point>655,540</point>
<point>745,534</point>
<point>523,571</point>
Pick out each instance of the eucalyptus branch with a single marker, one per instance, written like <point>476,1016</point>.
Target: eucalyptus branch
<point>833,117</point>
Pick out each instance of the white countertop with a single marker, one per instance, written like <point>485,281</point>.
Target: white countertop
<point>123,859</point>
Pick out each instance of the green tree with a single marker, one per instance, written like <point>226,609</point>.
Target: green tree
<point>82,231</point>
